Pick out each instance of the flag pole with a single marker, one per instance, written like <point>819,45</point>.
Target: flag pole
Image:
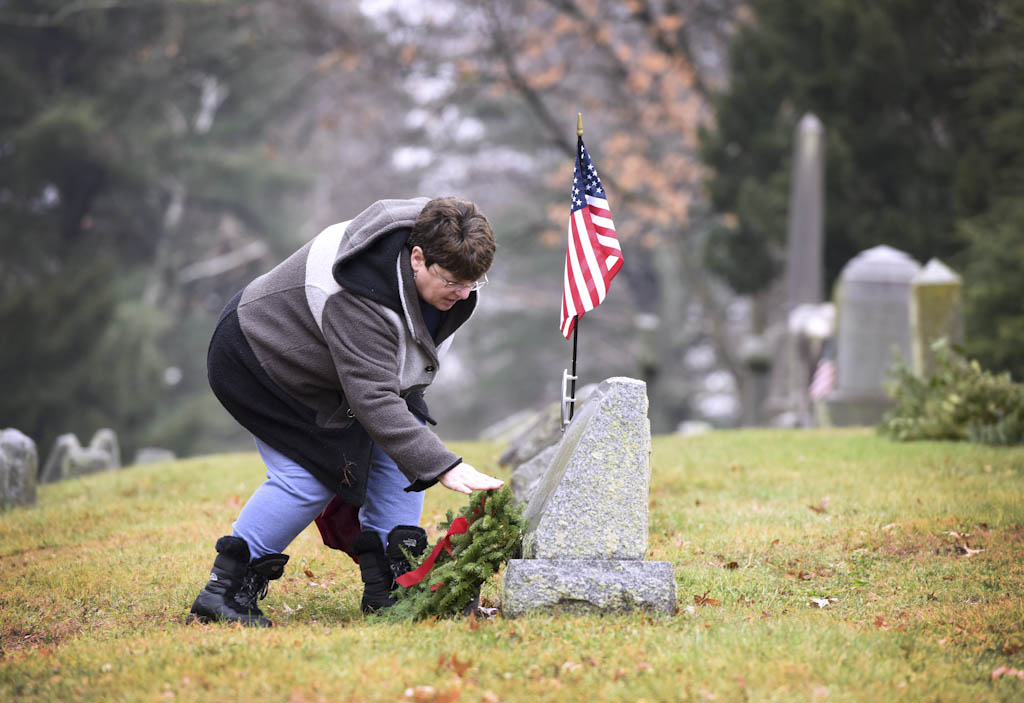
<point>576,318</point>
<point>572,391</point>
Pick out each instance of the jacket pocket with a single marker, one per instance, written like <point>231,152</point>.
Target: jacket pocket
<point>340,417</point>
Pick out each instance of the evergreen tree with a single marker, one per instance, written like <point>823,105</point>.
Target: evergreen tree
<point>128,133</point>
<point>923,125</point>
<point>989,193</point>
<point>886,79</point>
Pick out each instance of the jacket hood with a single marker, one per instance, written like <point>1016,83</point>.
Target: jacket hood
<point>372,262</point>
<point>365,262</point>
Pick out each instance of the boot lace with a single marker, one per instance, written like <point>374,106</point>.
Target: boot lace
<point>254,588</point>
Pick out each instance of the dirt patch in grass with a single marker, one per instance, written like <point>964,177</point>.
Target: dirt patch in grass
<point>897,541</point>
<point>33,639</point>
<point>908,545</point>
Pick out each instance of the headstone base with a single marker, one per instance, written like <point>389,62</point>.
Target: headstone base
<point>587,586</point>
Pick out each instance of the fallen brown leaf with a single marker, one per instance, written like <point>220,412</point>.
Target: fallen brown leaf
<point>452,662</point>
<point>704,600</point>
<point>821,506</point>
<point>1011,647</point>
<point>452,695</point>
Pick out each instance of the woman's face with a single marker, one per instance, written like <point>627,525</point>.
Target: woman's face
<point>435,285</point>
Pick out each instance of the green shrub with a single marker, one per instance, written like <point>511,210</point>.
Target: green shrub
<point>960,401</point>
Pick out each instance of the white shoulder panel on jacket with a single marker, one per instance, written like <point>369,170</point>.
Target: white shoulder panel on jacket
<point>320,283</point>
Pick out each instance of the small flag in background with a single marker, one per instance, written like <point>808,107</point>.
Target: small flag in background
<point>823,381</point>
<point>593,256</point>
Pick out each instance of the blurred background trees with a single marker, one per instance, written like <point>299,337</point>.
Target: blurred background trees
<point>155,156</point>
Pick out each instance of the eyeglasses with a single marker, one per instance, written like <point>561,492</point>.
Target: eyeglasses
<point>458,287</point>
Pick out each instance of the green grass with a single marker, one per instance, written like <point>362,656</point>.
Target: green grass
<point>96,579</point>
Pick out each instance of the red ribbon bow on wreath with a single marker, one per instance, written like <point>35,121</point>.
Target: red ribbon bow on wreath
<point>459,526</point>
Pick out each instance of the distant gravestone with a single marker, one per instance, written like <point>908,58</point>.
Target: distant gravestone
<point>873,311</point>
<point>805,258</point>
<point>69,458</point>
<point>18,467</point>
<point>527,476</point>
<point>936,312</point>
<point>586,533</point>
<point>544,431</point>
<point>784,395</point>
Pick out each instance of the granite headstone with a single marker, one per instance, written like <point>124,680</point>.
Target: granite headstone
<point>18,468</point>
<point>936,312</point>
<point>69,458</point>
<point>586,534</point>
<point>873,311</point>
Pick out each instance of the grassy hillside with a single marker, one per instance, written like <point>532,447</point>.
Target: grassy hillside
<point>915,550</point>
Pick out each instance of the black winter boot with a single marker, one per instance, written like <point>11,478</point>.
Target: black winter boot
<point>409,537</point>
<point>379,567</point>
<point>236,585</point>
<point>375,570</point>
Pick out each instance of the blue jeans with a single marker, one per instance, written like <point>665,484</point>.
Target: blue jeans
<point>291,498</point>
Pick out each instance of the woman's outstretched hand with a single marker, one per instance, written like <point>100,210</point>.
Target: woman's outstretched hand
<point>466,479</point>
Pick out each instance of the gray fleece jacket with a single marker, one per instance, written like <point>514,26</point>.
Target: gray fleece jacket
<point>337,328</point>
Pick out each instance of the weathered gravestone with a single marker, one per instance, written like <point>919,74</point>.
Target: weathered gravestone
<point>805,240</point>
<point>586,533</point>
<point>527,477</point>
<point>530,452</point>
<point>545,430</point>
<point>936,312</point>
<point>18,466</point>
<point>69,458</point>
<point>873,311</point>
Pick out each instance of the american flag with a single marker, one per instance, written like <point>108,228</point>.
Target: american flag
<point>823,381</point>
<point>593,256</point>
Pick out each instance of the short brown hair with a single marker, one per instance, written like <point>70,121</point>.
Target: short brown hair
<point>456,236</point>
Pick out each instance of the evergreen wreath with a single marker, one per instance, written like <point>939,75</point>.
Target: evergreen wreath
<point>494,535</point>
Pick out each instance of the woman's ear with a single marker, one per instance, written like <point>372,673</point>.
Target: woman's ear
<point>418,260</point>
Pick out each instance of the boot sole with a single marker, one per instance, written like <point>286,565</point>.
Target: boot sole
<point>196,618</point>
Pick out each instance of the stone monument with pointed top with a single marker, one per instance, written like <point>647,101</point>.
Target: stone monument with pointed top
<point>804,274</point>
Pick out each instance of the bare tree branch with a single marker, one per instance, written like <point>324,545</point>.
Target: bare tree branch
<point>536,103</point>
<point>648,17</point>
<point>218,265</point>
